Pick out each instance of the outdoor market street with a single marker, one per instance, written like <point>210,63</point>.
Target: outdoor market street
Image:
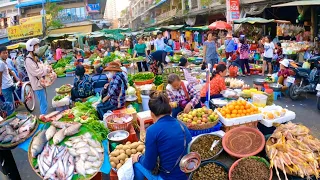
<point>305,110</point>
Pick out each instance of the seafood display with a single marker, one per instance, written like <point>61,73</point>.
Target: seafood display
<point>294,150</point>
<point>55,162</point>
<point>17,128</point>
<point>88,154</point>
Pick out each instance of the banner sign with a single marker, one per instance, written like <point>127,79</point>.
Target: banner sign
<point>30,19</point>
<point>93,8</point>
<point>25,30</point>
<point>233,10</point>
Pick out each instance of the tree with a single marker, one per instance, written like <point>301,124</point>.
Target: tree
<point>52,11</point>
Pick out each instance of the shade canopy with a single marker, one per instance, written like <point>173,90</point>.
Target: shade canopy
<point>253,20</point>
<point>16,46</point>
<point>299,3</point>
<point>220,25</point>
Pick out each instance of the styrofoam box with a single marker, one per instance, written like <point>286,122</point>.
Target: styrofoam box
<point>290,115</point>
<point>239,120</point>
<point>63,102</point>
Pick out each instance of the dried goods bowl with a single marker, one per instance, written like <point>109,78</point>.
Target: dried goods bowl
<point>190,162</point>
<point>122,134</point>
<point>207,162</point>
<point>275,86</point>
<point>236,163</point>
<point>197,137</point>
<point>225,141</point>
<point>259,81</point>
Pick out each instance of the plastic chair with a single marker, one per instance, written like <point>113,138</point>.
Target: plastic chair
<point>276,94</point>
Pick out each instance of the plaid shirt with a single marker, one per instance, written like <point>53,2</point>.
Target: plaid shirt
<point>179,95</point>
<point>117,90</point>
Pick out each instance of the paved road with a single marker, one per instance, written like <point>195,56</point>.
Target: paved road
<point>305,109</point>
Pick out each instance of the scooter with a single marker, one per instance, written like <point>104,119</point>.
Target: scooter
<point>305,80</point>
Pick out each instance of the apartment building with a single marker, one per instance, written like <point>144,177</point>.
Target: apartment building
<point>8,17</point>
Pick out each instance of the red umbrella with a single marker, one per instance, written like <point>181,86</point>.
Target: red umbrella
<point>220,25</point>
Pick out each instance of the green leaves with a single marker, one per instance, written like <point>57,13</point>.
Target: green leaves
<point>143,76</point>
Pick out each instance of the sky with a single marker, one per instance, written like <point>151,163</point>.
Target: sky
<point>122,4</point>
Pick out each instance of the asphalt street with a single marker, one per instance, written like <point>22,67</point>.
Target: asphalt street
<point>305,109</point>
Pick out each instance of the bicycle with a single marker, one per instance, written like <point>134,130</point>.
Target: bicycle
<point>23,94</point>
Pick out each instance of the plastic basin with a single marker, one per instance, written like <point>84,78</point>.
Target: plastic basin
<point>236,163</point>
<point>243,142</point>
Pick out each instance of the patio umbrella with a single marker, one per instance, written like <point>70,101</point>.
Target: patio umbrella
<point>221,25</point>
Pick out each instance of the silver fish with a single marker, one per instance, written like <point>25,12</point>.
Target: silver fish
<point>92,158</point>
<point>99,149</point>
<point>38,143</point>
<point>15,123</point>
<point>50,132</point>
<point>68,143</point>
<point>93,152</point>
<point>83,150</point>
<point>87,135</point>
<point>83,156</point>
<point>71,130</point>
<point>70,171</point>
<point>96,164</point>
<point>60,170</point>
<point>80,145</point>
<point>51,171</point>
<point>61,125</point>
<point>76,140</point>
<point>40,166</point>
<point>8,138</point>
<point>72,152</point>
<point>80,167</point>
<point>2,129</point>
<point>59,136</point>
<point>10,130</point>
<point>28,126</point>
<point>91,171</point>
<point>87,164</point>
<point>3,135</point>
<point>93,143</point>
<point>20,136</point>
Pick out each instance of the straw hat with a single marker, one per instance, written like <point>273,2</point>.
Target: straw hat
<point>113,66</point>
<point>229,36</point>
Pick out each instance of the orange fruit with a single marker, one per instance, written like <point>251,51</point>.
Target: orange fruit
<point>236,107</point>
<point>234,111</point>
<point>231,107</point>
<point>239,111</point>
<point>248,106</point>
<point>243,115</point>
<point>219,109</point>
<point>244,111</point>
<point>242,107</point>
<point>228,116</point>
<point>233,115</point>
<point>227,111</point>
<point>223,113</point>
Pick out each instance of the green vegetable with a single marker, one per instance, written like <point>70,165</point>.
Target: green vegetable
<point>158,80</point>
<point>58,97</point>
<point>98,128</point>
<point>59,71</point>
<point>86,108</point>
<point>62,62</point>
<point>130,80</point>
<point>143,76</point>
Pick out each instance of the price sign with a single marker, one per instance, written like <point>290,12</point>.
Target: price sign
<point>290,79</point>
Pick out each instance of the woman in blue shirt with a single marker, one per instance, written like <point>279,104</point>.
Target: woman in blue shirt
<point>166,141</point>
<point>210,54</point>
<point>99,79</point>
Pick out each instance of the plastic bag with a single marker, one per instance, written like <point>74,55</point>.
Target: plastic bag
<point>126,172</point>
<point>306,65</point>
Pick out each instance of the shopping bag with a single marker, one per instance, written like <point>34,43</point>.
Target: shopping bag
<point>126,172</point>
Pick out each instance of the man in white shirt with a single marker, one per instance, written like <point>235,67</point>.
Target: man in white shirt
<point>6,82</point>
<point>159,42</point>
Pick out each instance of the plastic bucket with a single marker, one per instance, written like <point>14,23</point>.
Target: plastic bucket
<point>145,102</point>
<point>259,100</point>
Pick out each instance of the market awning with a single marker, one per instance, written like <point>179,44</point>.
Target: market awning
<point>34,2</point>
<point>299,3</point>
<point>16,46</point>
<point>72,30</point>
<point>253,20</point>
<point>4,40</point>
<point>198,28</point>
<point>172,27</point>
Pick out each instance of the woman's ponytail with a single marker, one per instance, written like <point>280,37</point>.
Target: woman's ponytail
<point>219,68</point>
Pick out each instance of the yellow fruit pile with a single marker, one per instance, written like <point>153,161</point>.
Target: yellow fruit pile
<point>238,108</point>
<point>199,116</point>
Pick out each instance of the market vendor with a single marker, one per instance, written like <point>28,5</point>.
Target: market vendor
<point>140,49</point>
<point>229,45</point>
<point>158,58</point>
<point>166,143</point>
<point>124,69</point>
<point>82,85</point>
<point>217,83</point>
<point>183,96</point>
<point>115,91</point>
<point>99,79</point>
<point>283,73</point>
<point>187,75</point>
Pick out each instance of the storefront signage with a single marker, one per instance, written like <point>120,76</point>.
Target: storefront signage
<point>233,10</point>
<point>25,30</point>
<point>30,19</point>
<point>93,8</point>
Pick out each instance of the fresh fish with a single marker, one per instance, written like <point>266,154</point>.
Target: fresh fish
<point>68,143</point>
<point>91,171</point>
<point>51,171</point>
<point>96,164</point>
<point>10,130</point>
<point>83,150</point>
<point>70,171</point>
<point>99,149</point>
<point>87,164</point>
<point>61,153</point>
<point>50,132</point>
<point>92,158</point>
<point>40,166</point>
<point>15,123</point>
<point>8,138</point>
<point>87,135</point>
<point>20,136</point>
<point>73,138</point>
<point>23,121</point>
<point>80,167</point>
<point>83,156</point>
<point>3,135</point>
<point>28,126</point>
<point>23,115</point>
<point>72,152</point>
<point>60,170</point>
<point>93,152</point>
<point>93,143</point>
<point>71,130</point>
<point>59,136</point>
<point>76,140</point>
<point>80,145</point>
<point>61,125</point>
<point>38,143</point>
<point>2,129</point>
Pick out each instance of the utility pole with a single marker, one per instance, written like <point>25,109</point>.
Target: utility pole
<point>43,18</point>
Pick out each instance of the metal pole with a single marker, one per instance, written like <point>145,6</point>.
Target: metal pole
<point>43,19</point>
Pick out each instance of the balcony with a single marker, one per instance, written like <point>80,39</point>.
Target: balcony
<point>74,18</point>
<point>166,15</point>
<point>4,3</point>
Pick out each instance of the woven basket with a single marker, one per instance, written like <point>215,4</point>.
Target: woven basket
<point>13,145</point>
<point>64,92</point>
<point>199,126</point>
<point>116,126</point>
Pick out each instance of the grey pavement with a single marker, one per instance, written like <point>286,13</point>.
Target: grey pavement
<point>305,108</point>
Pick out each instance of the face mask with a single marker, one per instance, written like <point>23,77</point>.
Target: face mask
<point>110,75</point>
<point>36,51</point>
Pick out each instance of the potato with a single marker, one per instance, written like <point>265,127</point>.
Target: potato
<point>122,161</point>
<point>128,152</point>
<point>121,151</point>
<point>134,145</point>
<point>114,159</point>
<point>143,150</point>
<point>125,147</point>
<point>115,153</point>
<point>122,156</point>
<point>119,166</point>
<point>119,146</point>
<point>133,151</point>
<point>140,143</point>
<point>140,148</point>
<point>128,142</point>
<point>113,164</point>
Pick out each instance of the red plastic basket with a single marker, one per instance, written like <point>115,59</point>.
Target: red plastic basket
<point>116,126</point>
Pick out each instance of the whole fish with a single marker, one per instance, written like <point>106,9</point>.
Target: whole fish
<point>73,152</point>
<point>15,123</point>
<point>93,152</point>
<point>91,171</point>
<point>80,168</point>
<point>38,143</point>
<point>96,164</point>
<point>92,158</point>
<point>28,126</point>
<point>2,129</point>
<point>20,136</point>
<point>68,143</point>
<point>93,143</point>
<point>10,130</point>
<point>51,171</point>
<point>3,135</point>
<point>59,136</point>
<point>50,132</point>
<point>83,150</point>
<point>61,125</point>
<point>87,164</point>
<point>83,157</point>
<point>8,138</point>
<point>80,144</point>
<point>71,130</point>
<point>60,170</point>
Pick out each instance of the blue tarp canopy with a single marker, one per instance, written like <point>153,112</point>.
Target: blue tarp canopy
<point>34,2</point>
<point>4,40</point>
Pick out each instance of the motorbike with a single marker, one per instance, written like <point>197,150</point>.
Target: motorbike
<point>305,80</point>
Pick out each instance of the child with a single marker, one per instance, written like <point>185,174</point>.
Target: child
<point>278,56</point>
<point>283,73</point>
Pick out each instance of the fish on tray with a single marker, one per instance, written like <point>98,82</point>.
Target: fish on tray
<point>38,143</point>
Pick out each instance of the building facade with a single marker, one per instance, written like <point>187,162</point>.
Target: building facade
<point>8,17</point>
<point>111,10</point>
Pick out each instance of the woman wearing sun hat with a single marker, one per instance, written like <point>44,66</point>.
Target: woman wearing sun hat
<point>114,93</point>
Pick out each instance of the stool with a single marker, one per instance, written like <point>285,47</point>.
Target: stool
<point>276,94</point>
<point>259,87</point>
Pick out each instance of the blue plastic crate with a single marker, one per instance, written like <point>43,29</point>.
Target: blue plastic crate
<point>217,127</point>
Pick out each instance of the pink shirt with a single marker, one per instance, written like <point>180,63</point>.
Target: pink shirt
<point>58,54</point>
<point>244,53</point>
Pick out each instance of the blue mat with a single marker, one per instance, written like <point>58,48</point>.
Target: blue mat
<point>106,166</point>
